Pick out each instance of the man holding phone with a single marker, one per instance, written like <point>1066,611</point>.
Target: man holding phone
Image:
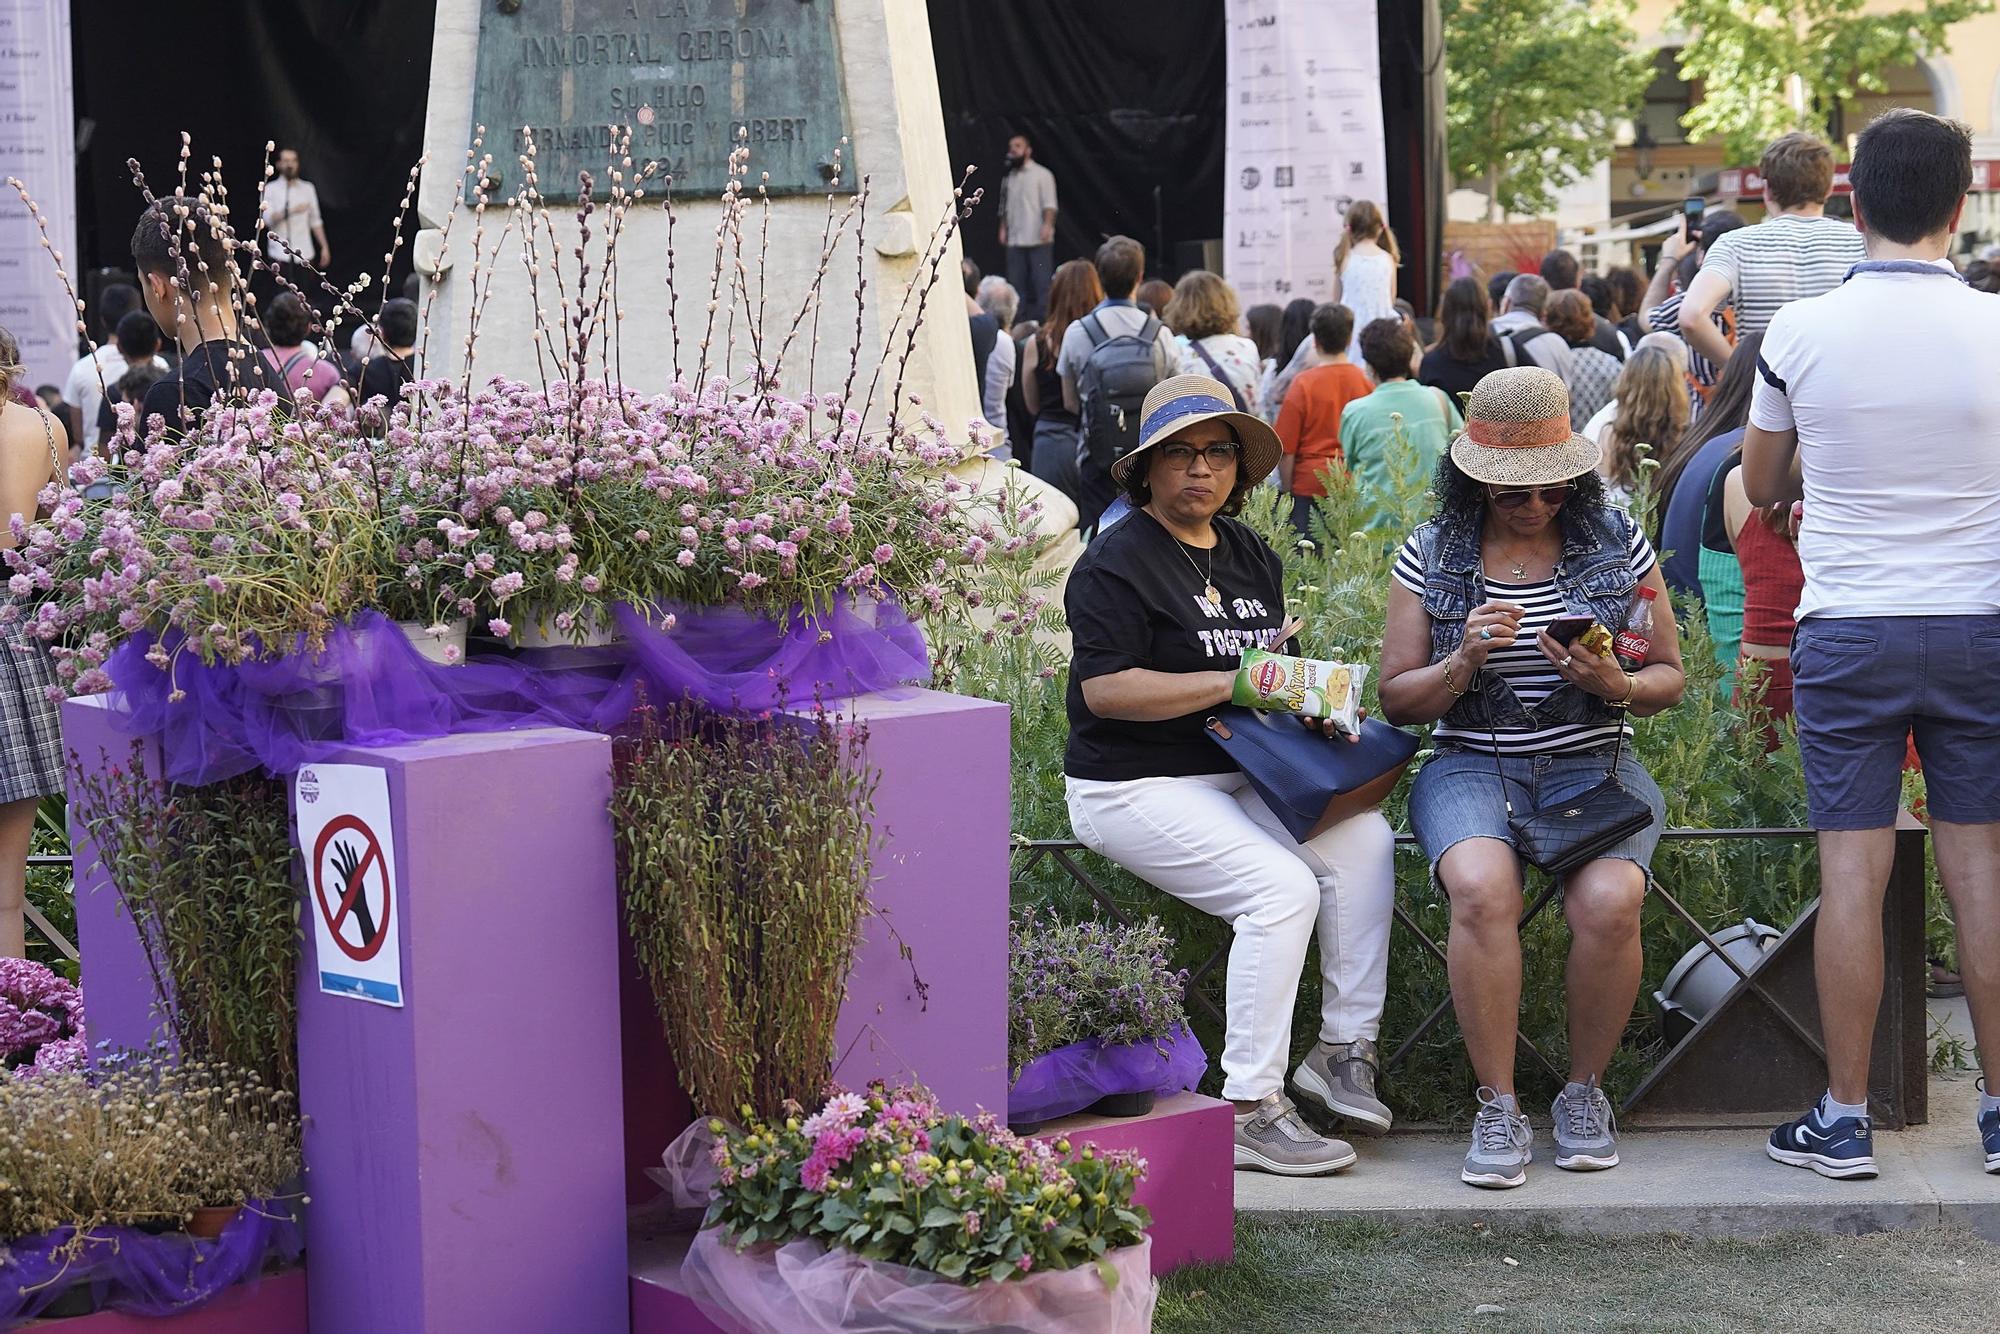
<point>1796,252</point>
<point>1660,309</point>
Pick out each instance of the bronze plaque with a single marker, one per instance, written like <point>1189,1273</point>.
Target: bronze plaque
<point>685,76</point>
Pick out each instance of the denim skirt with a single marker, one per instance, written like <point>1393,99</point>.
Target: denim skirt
<point>1457,795</point>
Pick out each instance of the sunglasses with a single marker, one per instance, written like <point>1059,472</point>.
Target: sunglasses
<point>1221,454</point>
<point>1549,495</point>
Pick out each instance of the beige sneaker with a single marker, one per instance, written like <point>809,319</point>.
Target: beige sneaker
<point>1337,1079</point>
<point>1274,1139</point>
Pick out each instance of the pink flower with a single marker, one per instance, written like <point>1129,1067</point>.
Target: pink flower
<point>499,627</point>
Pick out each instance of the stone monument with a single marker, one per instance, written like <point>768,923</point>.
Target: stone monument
<point>690,80</point>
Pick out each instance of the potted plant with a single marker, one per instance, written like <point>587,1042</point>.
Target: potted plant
<point>104,1172</point>
<point>41,1020</point>
<point>1095,1019</point>
<point>881,1210</point>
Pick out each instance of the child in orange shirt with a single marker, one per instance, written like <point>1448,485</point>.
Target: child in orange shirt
<point>1309,420</point>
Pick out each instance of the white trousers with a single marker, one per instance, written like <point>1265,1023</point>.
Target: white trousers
<point>1211,842</point>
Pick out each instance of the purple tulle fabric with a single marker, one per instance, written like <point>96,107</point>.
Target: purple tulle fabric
<point>370,686</point>
<point>1072,1077</point>
<point>142,1272</point>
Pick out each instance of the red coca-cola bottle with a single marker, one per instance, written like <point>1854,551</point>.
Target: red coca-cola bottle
<point>1635,640</point>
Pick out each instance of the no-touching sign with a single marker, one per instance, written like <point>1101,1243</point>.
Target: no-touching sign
<point>351,887</point>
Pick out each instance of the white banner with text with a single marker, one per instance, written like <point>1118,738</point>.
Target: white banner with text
<point>38,147</point>
<point>1304,141</point>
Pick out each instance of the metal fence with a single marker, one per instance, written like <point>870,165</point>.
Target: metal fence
<point>37,922</point>
<point>1905,907</point>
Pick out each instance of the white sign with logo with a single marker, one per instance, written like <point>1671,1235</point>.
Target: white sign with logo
<point>37,147</point>
<point>352,893</point>
<point>1304,141</point>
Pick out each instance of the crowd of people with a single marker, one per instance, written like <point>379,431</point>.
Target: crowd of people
<point>1809,410</point>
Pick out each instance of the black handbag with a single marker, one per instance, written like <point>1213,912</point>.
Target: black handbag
<point>1558,839</point>
<point>1309,781</point>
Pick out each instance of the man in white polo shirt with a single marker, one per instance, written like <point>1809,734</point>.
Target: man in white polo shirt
<point>1879,404</point>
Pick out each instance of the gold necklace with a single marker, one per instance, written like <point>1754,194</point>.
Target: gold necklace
<point>1208,592</point>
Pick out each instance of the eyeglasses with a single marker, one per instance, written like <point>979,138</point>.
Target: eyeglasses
<point>1221,454</point>
<point>1549,495</point>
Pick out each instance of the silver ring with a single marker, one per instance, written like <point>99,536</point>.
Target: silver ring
<point>1567,661</point>
<point>1486,632</point>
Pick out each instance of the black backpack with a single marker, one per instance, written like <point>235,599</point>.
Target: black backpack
<point>1515,345</point>
<point>1111,391</point>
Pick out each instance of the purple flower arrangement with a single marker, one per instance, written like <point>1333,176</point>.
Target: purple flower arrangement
<point>1073,981</point>
<point>41,1020</point>
<point>892,1176</point>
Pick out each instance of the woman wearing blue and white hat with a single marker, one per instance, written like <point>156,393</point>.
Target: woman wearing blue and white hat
<point>1160,610</point>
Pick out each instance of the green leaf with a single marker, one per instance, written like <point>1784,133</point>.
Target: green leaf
<point>951,1266</point>
<point>1109,1273</point>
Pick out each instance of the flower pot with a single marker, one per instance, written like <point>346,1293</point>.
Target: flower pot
<point>1119,1079</point>
<point>74,1301</point>
<point>443,642</point>
<point>208,1221</point>
<point>535,627</point>
<point>802,1285</point>
<point>1123,1104</point>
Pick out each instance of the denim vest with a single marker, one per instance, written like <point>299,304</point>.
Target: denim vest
<point>1594,577</point>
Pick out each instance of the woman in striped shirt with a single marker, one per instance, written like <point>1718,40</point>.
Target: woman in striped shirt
<point>1523,535</point>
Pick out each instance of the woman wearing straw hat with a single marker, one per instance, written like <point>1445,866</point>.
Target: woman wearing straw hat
<point>1523,535</point>
<point>1160,610</point>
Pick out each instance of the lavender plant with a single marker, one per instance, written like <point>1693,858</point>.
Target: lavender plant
<point>206,874</point>
<point>745,854</point>
<point>1068,981</point>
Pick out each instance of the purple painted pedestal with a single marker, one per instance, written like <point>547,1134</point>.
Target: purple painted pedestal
<point>1190,1180</point>
<point>464,1152</point>
<point>942,812</point>
<point>942,815</point>
<point>121,1008</point>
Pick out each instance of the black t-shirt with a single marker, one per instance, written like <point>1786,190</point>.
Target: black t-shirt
<point>1135,600</point>
<point>1604,337</point>
<point>1441,370</point>
<point>384,377</point>
<point>212,367</point>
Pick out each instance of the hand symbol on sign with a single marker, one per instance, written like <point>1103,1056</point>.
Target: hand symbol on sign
<point>345,862</point>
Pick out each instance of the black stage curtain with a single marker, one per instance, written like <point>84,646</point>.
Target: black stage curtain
<point>343,81</point>
<point>1123,100</point>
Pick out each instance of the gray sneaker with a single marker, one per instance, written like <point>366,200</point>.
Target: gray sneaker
<point>1338,1079</point>
<point>1502,1145</point>
<point>1586,1129</point>
<point>1274,1139</point>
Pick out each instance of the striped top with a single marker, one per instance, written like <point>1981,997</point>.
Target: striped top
<point>1782,260</point>
<point>1522,665</point>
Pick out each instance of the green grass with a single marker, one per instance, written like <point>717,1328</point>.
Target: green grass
<point>1307,1275</point>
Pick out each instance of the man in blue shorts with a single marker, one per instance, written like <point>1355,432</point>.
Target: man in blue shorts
<point>1879,403</point>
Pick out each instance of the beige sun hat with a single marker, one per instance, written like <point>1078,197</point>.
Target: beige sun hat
<point>1517,431</point>
<point>1178,402</point>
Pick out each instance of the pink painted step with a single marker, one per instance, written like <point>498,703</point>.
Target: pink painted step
<point>1190,1177</point>
<point>275,1305</point>
<point>656,1308</point>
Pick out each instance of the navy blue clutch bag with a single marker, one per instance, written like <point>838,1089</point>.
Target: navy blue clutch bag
<point>1310,781</point>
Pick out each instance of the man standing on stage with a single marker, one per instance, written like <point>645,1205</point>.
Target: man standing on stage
<point>1028,225</point>
<point>294,234</point>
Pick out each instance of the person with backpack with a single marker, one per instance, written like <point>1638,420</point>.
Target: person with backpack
<point>1524,339</point>
<point>1309,421</point>
<point>1110,360</point>
<point>292,356</point>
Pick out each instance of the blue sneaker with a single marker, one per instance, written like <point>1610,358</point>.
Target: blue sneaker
<point>1842,1149</point>
<point>1989,1135</point>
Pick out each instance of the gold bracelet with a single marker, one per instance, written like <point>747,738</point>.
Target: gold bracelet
<point>1631,689</point>
<point>1449,684</point>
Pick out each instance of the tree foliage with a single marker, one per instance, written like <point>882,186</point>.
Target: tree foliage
<point>1534,89</point>
<point>1746,53</point>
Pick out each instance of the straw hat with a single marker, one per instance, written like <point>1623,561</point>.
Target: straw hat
<point>1517,431</point>
<point>1178,402</point>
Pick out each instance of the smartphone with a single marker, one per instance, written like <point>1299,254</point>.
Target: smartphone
<point>1565,629</point>
<point>1692,208</point>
